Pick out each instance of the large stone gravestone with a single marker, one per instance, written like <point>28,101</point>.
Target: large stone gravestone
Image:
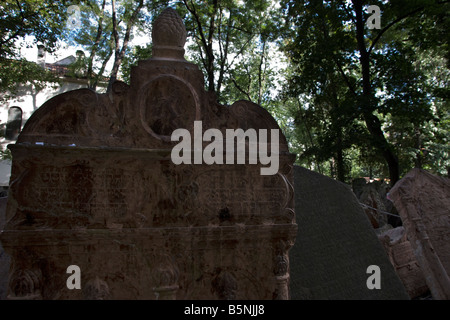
<point>336,245</point>
<point>94,185</point>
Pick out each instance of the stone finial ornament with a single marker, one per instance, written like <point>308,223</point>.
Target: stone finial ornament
<point>168,36</point>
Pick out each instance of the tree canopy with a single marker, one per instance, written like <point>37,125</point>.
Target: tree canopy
<point>366,88</point>
<point>353,100</point>
<point>44,20</point>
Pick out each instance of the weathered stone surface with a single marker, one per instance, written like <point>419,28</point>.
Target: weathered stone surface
<point>423,201</point>
<point>374,195</point>
<point>370,196</point>
<point>4,257</point>
<point>335,244</point>
<point>93,185</point>
<point>380,210</point>
<point>399,250</point>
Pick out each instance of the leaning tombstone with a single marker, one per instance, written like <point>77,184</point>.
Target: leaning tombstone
<point>337,248</point>
<point>104,205</point>
<point>423,202</point>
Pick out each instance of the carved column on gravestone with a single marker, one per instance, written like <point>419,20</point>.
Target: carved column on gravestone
<point>25,284</point>
<point>165,275</point>
<point>224,285</point>
<point>281,269</point>
<point>282,246</point>
<point>96,289</point>
<point>26,280</point>
<point>287,175</point>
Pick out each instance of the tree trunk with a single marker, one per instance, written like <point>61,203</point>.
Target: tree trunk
<point>368,104</point>
<point>261,72</point>
<point>332,170</point>
<point>223,50</point>
<point>209,49</point>
<point>99,75</point>
<point>92,83</point>
<point>308,131</point>
<point>418,145</point>
<point>340,165</point>
<point>114,71</point>
<point>206,43</point>
<point>119,53</point>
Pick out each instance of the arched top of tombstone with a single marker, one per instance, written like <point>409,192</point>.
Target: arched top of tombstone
<point>166,93</point>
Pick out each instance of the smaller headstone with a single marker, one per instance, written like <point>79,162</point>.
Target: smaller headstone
<point>5,175</point>
<point>357,186</point>
<point>14,123</point>
<point>375,207</point>
<point>423,202</point>
<point>400,252</point>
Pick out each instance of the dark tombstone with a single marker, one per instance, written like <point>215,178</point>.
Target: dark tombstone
<point>336,245</point>
<point>14,123</point>
<point>4,257</point>
<point>98,190</point>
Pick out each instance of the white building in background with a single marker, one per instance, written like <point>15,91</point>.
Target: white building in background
<point>28,99</point>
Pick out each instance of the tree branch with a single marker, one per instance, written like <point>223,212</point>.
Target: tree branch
<point>223,51</point>
<point>93,84</point>
<point>130,24</point>
<point>336,61</point>
<point>352,17</point>
<point>198,42</point>
<point>197,20</point>
<point>241,90</point>
<point>207,43</point>
<point>398,20</point>
<point>346,79</point>
<point>261,73</point>
<point>96,42</point>
<point>114,22</point>
<point>377,38</point>
<point>241,50</point>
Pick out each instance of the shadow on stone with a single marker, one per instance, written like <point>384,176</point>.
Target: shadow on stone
<point>4,257</point>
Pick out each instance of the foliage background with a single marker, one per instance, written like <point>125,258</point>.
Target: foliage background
<point>352,101</point>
